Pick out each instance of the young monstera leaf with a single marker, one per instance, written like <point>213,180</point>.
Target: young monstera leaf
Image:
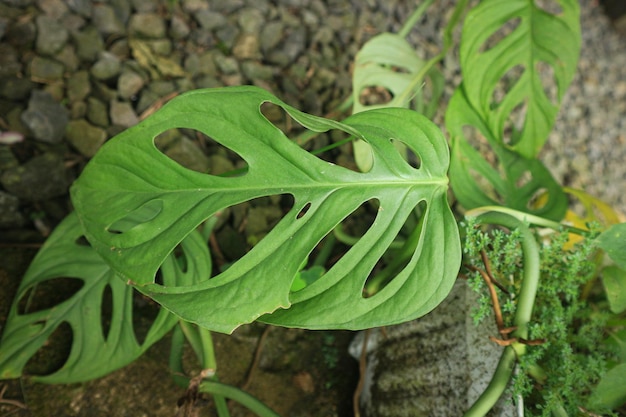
<point>539,54</point>
<point>130,174</point>
<point>95,351</point>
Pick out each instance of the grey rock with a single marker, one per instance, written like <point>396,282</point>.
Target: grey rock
<point>146,99</point>
<point>209,20</point>
<point>105,19</point>
<point>9,211</point>
<point>179,29</point>
<point>246,47</point>
<point>203,38</point>
<point>68,58</point>
<point>78,86</point>
<point>251,20</point>
<point>226,64</point>
<point>40,178</point>
<point>81,7</point>
<point>208,81</point>
<point>147,25</point>
<point>9,63</point>
<point>162,88</point>
<point>15,88</point>
<point>78,110</point>
<point>122,114</point>
<point>73,22</point>
<point>187,153</point>
<point>227,35</point>
<point>129,84</point>
<point>55,9</point>
<point>144,6</point>
<point>88,43</point>
<point>227,7</point>
<point>122,10</point>
<point>254,70</point>
<point>191,6</point>
<point>97,112</point>
<point>14,121</point>
<point>295,43</point>
<point>45,118</point>
<point>107,67</point>
<point>85,137</point>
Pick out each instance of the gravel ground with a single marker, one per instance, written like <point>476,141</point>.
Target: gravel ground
<point>74,73</point>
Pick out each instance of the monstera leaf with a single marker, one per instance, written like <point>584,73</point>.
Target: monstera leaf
<point>543,42</point>
<point>389,63</point>
<point>509,179</point>
<point>130,174</point>
<point>94,351</point>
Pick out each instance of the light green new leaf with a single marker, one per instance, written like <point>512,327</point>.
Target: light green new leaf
<point>389,62</point>
<point>611,391</point>
<point>541,39</point>
<point>613,242</point>
<point>515,182</point>
<point>93,354</point>
<point>130,173</point>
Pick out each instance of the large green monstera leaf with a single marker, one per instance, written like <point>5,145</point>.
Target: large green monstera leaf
<point>95,350</point>
<point>543,45</point>
<point>130,175</point>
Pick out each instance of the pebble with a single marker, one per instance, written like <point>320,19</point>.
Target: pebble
<point>209,20</point>
<point>107,67</point>
<point>246,47</point>
<point>41,178</point>
<point>147,25</point>
<point>179,29</point>
<point>81,7</point>
<point>15,88</point>
<point>51,36</point>
<point>88,43</point>
<point>45,69</point>
<point>122,114</point>
<point>106,21</point>
<point>45,118</point>
<point>97,112</point>
<point>9,211</point>
<point>129,84</point>
<point>85,137</point>
<point>78,86</point>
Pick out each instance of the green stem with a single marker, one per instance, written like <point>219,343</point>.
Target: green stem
<point>415,16</point>
<point>176,358</point>
<point>242,397</point>
<point>526,301</point>
<point>325,251</point>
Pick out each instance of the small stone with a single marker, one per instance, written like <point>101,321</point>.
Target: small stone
<point>81,7</point>
<point>85,137</point>
<point>179,29</point>
<point>129,84</point>
<point>51,36</point>
<point>209,20</point>
<point>9,64</point>
<point>55,9</point>
<point>251,20</point>
<point>68,58</point>
<point>4,22</point>
<point>45,118</point>
<point>226,64</point>
<point>161,47</point>
<point>7,159</point>
<point>105,19</point>
<point>15,88</point>
<point>227,36</point>
<point>187,153</point>
<point>97,112</point>
<point>41,178</point>
<point>191,6</point>
<point>45,69</point>
<point>78,86</point>
<point>9,211</point>
<point>144,6</point>
<point>88,43</point>
<point>78,110</point>
<point>246,47</point>
<point>255,71</point>
<point>122,114</point>
<point>295,43</point>
<point>271,35</point>
<point>147,25</point>
<point>107,67</point>
<point>22,34</point>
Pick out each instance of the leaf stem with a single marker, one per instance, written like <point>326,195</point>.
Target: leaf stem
<point>226,391</point>
<point>415,16</point>
<point>523,313</point>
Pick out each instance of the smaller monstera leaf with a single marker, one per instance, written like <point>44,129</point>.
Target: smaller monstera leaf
<point>487,173</point>
<point>93,353</point>
<point>387,64</point>
<point>130,174</point>
<point>539,55</point>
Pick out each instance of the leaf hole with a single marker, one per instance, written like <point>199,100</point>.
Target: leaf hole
<point>549,6</point>
<point>505,84</point>
<point>398,254</point>
<point>82,241</point>
<point>481,144</point>
<point>277,116</point>
<point>303,211</point>
<point>334,147</point>
<point>407,153</point>
<point>145,311</point>
<point>47,294</point>
<point>375,95</point>
<point>545,72</point>
<point>143,214</point>
<point>539,199</point>
<point>524,179</point>
<point>244,225</point>
<point>53,354</point>
<point>506,29</point>
<point>514,125</point>
<point>198,152</point>
<point>106,311</point>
